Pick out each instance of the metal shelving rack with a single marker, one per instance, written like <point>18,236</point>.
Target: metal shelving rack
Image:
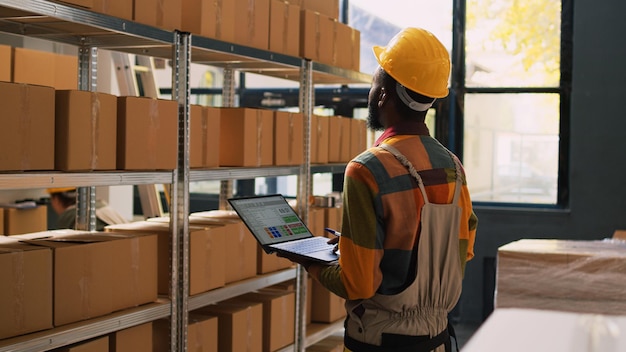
<point>89,31</point>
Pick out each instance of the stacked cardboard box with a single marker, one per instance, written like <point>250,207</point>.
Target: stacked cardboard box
<point>565,275</point>
<point>202,334</point>
<point>239,325</point>
<point>246,137</point>
<point>288,138</point>
<point>134,339</point>
<point>326,306</point>
<point>17,221</point>
<point>204,136</point>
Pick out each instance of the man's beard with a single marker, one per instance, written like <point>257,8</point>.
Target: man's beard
<point>373,121</point>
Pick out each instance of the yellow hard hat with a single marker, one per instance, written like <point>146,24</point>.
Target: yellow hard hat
<point>417,60</point>
<point>61,190</point>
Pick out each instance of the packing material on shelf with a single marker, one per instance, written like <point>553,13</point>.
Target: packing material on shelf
<point>164,14</point>
<point>564,275</point>
<point>137,339</point>
<point>246,137</point>
<point>88,266</point>
<point>5,63</point>
<point>339,138</point>
<point>522,330</point>
<point>278,316</point>
<point>116,8</point>
<point>27,127</point>
<point>98,344</point>
<point>316,37</point>
<point>147,137</point>
<point>26,296</point>
<point>206,254</point>
<point>20,220</point>
<point>204,136</point>
<point>239,325</point>
<point>44,68</point>
<point>320,139</point>
<point>284,35</point>
<point>327,307</point>
<point>85,130</point>
<point>253,23</point>
<point>288,138</point>
<point>202,334</point>
<point>209,18</point>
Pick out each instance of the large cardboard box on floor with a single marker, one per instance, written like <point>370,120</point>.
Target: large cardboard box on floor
<point>209,18</point>
<point>206,254</point>
<point>288,138</point>
<point>326,307</point>
<point>240,249</point>
<point>134,339</point>
<point>566,275</point>
<point>204,137</point>
<point>202,334</point>
<point>5,63</point>
<point>239,325</point>
<point>316,37</point>
<point>253,23</point>
<point>284,28</point>
<point>86,130</point>
<point>147,134</point>
<point>165,14</point>
<point>246,137</point>
<point>18,221</point>
<point>278,316</point>
<point>27,127</point>
<point>26,294</point>
<point>320,139</point>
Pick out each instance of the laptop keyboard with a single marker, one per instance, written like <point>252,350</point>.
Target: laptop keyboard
<point>308,245</point>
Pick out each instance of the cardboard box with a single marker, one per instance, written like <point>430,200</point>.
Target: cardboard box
<point>165,14</point>
<point>278,316</point>
<point>86,129</point>
<point>18,221</point>
<point>328,8</point>
<point>358,137</point>
<point>147,134</point>
<point>239,325</point>
<point>5,63</point>
<point>253,23</point>
<point>246,137</point>
<point>291,286</point>
<point>100,344</point>
<point>65,72</point>
<point>207,258</point>
<point>26,296</point>
<point>116,8</point>
<point>326,307</point>
<point>135,339</point>
<point>339,139</point>
<point>241,247</point>
<point>27,128</point>
<point>135,270</point>
<point>316,37</point>
<point>82,3</point>
<point>342,39</point>
<point>316,221</point>
<point>284,28</point>
<point>619,234</point>
<point>288,138</point>
<point>202,334</point>
<point>566,275</point>
<point>204,137</point>
<point>320,139</point>
<point>332,343</point>
<point>333,219</point>
<point>209,18</point>
<point>356,50</point>
<point>34,67</point>
<point>1,222</point>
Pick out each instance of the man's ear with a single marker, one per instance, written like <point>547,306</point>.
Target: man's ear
<point>382,97</point>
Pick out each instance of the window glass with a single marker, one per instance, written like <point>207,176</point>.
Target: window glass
<point>512,43</point>
<point>511,147</point>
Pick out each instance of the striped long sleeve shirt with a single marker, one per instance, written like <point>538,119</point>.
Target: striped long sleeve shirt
<point>381,215</point>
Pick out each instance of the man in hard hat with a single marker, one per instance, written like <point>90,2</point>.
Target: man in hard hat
<point>63,201</point>
<point>408,224</point>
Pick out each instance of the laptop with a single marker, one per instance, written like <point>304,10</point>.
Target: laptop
<point>278,228</point>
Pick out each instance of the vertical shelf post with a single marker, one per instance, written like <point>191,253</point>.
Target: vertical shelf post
<point>179,212</point>
<point>304,186</point>
<point>228,100</point>
<point>86,196</point>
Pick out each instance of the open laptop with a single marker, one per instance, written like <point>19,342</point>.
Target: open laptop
<point>278,228</point>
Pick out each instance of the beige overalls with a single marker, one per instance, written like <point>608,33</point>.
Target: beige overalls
<point>416,319</point>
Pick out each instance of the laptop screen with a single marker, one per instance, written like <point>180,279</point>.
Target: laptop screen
<point>270,218</point>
